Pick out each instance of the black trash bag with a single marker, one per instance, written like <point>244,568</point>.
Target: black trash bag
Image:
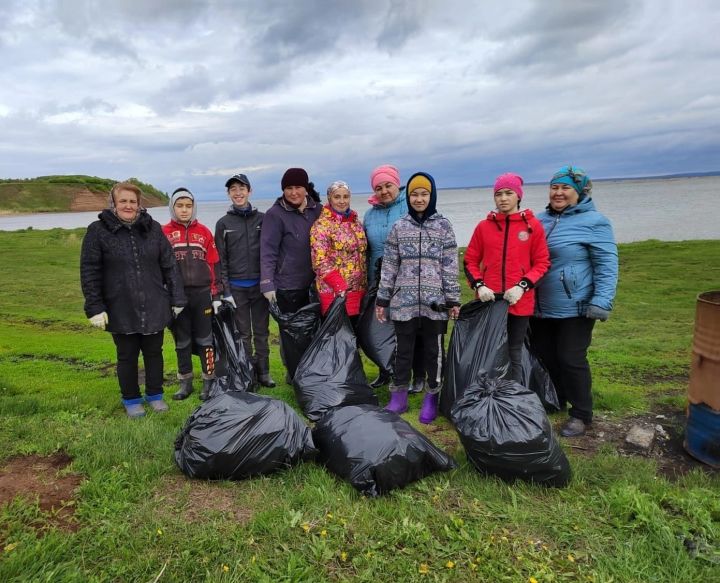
<point>536,378</point>
<point>237,435</point>
<point>505,431</point>
<point>331,373</point>
<point>376,450</point>
<point>233,369</point>
<point>297,329</point>
<point>377,339</point>
<point>478,347</point>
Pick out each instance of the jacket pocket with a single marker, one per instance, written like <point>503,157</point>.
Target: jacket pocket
<point>564,281</point>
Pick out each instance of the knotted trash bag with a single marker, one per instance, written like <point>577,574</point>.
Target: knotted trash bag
<point>233,370</point>
<point>237,435</point>
<point>377,339</point>
<point>331,373</point>
<point>478,347</point>
<point>376,450</point>
<point>505,431</point>
<point>297,330</point>
<point>536,378</point>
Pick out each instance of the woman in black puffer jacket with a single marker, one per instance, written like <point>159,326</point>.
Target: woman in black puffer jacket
<point>132,289</point>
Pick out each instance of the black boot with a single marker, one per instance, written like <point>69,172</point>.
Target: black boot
<point>207,386</point>
<point>383,378</point>
<point>186,387</point>
<point>266,380</point>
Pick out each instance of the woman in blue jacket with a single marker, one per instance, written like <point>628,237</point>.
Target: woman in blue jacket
<point>578,289</point>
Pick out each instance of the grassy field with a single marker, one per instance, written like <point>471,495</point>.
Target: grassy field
<point>138,519</point>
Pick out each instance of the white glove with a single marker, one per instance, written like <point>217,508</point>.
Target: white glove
<point>216,306</point>
<point>270,296</point>
<point>513,295</point>
<point>485,294</point>
<point>176,310</point>
<point>99,320</point>
<point>228,299</point>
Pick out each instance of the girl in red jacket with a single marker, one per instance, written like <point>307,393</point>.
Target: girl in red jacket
<point>508,255</point>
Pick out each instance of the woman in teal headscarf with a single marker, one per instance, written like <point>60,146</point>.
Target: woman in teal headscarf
<point>578,289</point>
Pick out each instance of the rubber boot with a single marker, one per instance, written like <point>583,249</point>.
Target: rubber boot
<point>186,387</point>
<point>134,408</point>
<point>207,387</point>
<point>398,400</point>
<point>429,410</point>
<point>383,378</point>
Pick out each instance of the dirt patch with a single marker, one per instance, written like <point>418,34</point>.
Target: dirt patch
<point>193,500</point>
<point>37,479</point>
<point>668,452</point>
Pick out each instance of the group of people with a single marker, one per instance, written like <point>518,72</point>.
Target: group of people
<point>557,272</point>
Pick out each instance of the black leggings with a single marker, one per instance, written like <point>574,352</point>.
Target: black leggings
<point>129,347</point>
<point>517,330</point>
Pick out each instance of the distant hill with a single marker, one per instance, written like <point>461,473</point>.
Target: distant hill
<point>47,194</point>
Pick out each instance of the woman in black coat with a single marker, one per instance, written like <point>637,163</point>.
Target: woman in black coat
<point>132,289</point>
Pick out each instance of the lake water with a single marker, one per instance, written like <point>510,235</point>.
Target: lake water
<point>669,209</point>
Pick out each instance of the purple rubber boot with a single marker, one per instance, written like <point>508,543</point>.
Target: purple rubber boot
<point>398,401</point>
<point>429,410</point>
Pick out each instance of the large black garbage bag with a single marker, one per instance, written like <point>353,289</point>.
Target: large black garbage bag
<point>233,369</point>
<point>376,450</point>
<point>237,435</point>
<point>330,373</point>
<point>297,330</point>
<point>377,339</point>
<point>478,347</point>
<point>506,432</point>
<point>536,378</point>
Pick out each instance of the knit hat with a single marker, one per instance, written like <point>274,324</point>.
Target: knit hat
<point>575,177</point>
<point>295,177</point>
<point>182,192</point>
<point>509,180</point>
<point>419,181</point>
<point>385,173</point>
<point>239,178</point>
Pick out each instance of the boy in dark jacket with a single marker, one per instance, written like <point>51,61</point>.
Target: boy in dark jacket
<point>197,257</point>
<point>237,235</point>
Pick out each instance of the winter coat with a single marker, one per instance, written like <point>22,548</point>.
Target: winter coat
<point>285,246</point>
<point>195,253</point>
<point>377,222</point>
<point>584,262</point>
<point>420,268</point>
<point>130,272</point>
<point>338,246</point>
<point>237,236</point>
<point>505,249</point>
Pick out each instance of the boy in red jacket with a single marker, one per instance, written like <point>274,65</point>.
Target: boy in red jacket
<point>197,257</point>
<point>507,255</point>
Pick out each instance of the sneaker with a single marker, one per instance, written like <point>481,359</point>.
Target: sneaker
<point>266,380</point>
<point>157,404</point>
<point>573,427</point>
<point>134,408</point>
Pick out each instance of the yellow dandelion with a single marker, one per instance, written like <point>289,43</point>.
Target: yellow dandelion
<point>329,516</point>
<point>343,556</point>
<point>424,569</point>
<point>532,580</point>
<point>225,568</point>
<point>305,526</point>
<point>323,532</point>
<point>159,531</point>
<point>450,565</point>
<point>10,547</point>
<point>571,558</point>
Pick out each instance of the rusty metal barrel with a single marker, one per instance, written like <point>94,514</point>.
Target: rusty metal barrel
<point>702,434</point>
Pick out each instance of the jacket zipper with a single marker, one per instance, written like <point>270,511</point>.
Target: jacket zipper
<point>420,272</point>
<point>504,253</point>
<point>564,283</point>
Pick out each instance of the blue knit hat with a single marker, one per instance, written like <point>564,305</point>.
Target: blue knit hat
<point>575,177</point>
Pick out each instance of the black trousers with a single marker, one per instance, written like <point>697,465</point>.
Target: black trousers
<point>194,325</point>
<point>517,330</point>
<point>431,333</point>
<point>129,347</point>
<point>562,345</point>
<point>252,319</point>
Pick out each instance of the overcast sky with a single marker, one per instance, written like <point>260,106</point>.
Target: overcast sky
<point>188,92</point>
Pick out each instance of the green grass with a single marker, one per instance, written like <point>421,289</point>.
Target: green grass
<point>56,193</point>
<point>619,520</point>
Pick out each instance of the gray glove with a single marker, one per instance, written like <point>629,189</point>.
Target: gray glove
<point>228,299</point>
<point>216,306</point>
<point>270,296</point>
<point>176,310</point>
<point>485,294</point>
<point>513,295</point>
<point>597,313</point>
<point>99,320</point>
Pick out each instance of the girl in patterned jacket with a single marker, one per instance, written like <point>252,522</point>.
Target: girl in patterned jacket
<point>338,246</point>
<point>419,290</point>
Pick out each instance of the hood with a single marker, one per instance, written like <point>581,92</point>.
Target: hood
<point>586,204</point>
<point>182,193</point>
<point>432,206</point>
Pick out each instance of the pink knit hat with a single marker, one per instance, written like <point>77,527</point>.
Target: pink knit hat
<point>509,180</point>
<point>385,173</point>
